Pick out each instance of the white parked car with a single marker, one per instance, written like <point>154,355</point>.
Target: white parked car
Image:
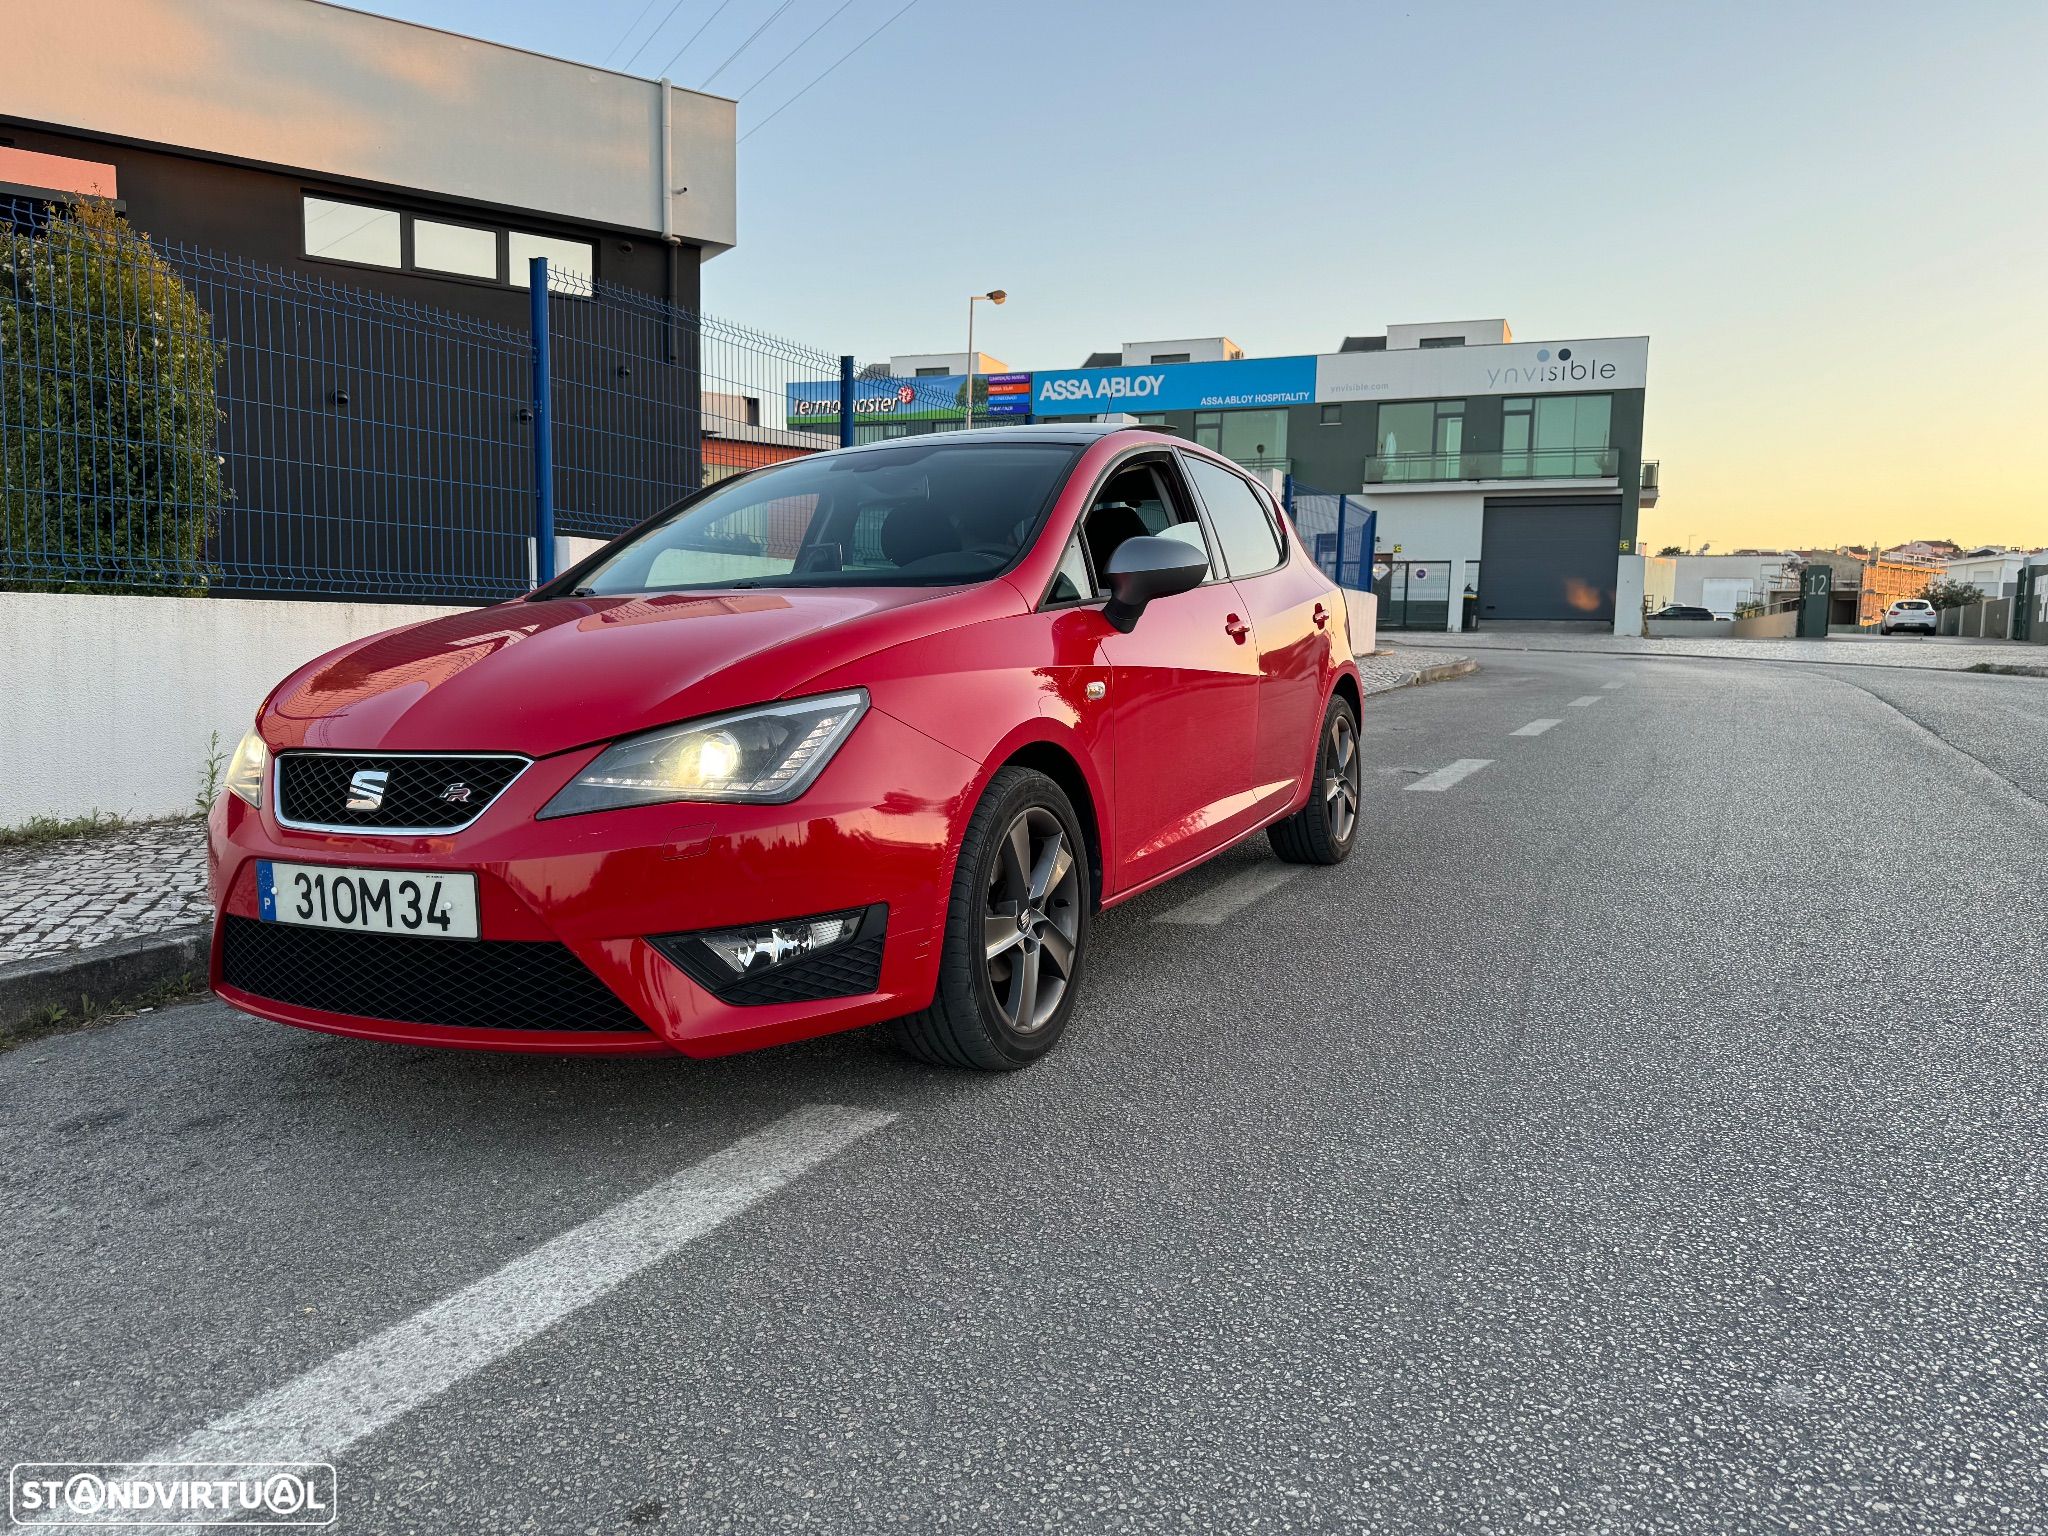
<point>1909,613</point>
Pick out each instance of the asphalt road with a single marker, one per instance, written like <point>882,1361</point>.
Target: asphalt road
<point>1643,1133</point>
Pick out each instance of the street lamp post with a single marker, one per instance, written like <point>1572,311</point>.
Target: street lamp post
<point>994,296</point>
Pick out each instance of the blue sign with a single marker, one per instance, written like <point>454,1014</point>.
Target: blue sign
<point>1242,385</point>
<point>1007,394</point>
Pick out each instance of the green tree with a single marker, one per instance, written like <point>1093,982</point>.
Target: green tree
<point>109,478</point>
<point>1669,549</point>
<point>1943,593</point>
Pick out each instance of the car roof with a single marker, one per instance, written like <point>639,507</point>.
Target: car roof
<point>1075,435</point>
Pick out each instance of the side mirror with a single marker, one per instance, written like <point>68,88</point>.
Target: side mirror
<point>1146,568</point>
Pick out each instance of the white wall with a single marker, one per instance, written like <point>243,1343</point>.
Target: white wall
<point>1437,527</point>
<point>1631,583</point>
<point>1515,368</point>
<point>1200,349</point>
<point>1660,581</point>
<point>343,93</point>
<point>1757,574</point>
<point>1474,333</point>
<point>109,700</point>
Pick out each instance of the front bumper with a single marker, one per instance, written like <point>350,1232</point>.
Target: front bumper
<point>878,828</point>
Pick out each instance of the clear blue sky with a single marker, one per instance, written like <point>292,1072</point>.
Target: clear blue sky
<point>1828,218</point>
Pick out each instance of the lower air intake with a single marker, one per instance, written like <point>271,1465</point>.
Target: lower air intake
<point>485,984</point>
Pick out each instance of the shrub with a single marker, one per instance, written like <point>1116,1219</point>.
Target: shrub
<point>109,479</point>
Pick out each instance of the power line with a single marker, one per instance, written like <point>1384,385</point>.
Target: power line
<point>632,27</point>
<point>799,96</point>
<point>666,17</point>
<point>821,26</point>
<point>743,47</point>
<point>663,71</point>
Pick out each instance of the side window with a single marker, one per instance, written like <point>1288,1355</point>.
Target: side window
<point>1251,546</point>
<point>1145,498</point>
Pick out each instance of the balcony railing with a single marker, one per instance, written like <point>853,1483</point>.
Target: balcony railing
<point>1523,464</point>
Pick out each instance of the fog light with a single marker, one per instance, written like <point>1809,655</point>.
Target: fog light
<point>799,959</point>
<point>746,950</point>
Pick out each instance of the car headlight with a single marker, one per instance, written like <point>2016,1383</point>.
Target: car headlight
<point>764,756</point>
<point>245,769</point>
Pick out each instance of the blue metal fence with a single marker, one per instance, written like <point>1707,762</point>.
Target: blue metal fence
<point>1339,530</point>
<point>174,419</point>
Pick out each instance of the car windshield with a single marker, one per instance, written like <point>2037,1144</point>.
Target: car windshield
<point>922,514</point>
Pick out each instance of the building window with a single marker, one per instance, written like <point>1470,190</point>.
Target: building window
<point>1556,435</point>
<point>1333,415</point>
<point>1209,429</point>
<point>934,373</point>
<point>1160,422</point>
<point>1256,439</point>
<point>572,258</point>
<point>456,248</point>
<point>1441,341</point>
<point>371,237</point>
<point>385,237</point>
<point>1170,357</point>
<point>1422,439</point>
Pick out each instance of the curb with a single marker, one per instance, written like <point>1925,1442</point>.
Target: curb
<point>1980,669</point>
<point>1434,672</point>
<point>126,968</point>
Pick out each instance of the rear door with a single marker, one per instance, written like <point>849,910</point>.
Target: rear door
<point>1291,608</point>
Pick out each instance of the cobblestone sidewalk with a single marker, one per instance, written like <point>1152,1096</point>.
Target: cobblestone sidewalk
<point>93,890</point>
<point>140,880</point>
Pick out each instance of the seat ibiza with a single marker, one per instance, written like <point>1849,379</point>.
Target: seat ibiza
<point>866,736</point>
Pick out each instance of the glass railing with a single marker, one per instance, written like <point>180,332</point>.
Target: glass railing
<point>1524,464</point>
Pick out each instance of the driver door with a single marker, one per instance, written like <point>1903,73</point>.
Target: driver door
<point>1183,688</point>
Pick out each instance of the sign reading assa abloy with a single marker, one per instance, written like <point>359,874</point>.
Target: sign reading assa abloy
<point>1247,383</point>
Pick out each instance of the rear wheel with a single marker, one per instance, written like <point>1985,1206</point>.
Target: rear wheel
<point>1016,928</point>
<point>1323,831</point>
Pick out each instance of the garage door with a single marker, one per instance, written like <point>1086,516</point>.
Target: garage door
<point>1543,558</point>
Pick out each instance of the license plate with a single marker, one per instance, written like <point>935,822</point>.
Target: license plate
<point>433,906</point>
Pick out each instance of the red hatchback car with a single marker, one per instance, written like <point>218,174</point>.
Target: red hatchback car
<point>865,736</point>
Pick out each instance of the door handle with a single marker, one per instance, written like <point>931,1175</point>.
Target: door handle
<point>1322,615</point>
<point>1237,629</point>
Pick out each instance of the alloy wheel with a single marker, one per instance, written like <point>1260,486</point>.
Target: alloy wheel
<point>1031,922</point>
<point>1341,780</point>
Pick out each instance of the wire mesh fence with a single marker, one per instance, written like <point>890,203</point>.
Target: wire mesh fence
<point>1339,530</point>
<point>174,419</point>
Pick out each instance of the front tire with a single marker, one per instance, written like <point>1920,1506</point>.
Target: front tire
<point>1323,831</point>
<point>1016,932</point>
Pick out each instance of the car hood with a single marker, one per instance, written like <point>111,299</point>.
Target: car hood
<point>541,677</point>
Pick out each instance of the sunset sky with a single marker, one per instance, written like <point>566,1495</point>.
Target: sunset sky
<point>1828,219</point>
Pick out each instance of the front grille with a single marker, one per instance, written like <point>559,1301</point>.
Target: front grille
<point>420,794</point>
<point>466,984</point>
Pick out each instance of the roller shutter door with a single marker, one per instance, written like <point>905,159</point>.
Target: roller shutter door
<point>1549,558</point>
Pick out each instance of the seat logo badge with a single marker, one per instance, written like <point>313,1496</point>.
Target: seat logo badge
<point>366,789</point>
<point>456,794</point>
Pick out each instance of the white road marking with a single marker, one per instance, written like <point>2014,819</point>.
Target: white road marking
<point>371,1384</point>
<point>1448,775</point>
<point>1617,683</point>
<point>1535,728</point>
<point>1231,897</point>
<point>1581,703</point>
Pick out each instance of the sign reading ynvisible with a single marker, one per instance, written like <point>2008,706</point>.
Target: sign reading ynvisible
<point>1240,385</point>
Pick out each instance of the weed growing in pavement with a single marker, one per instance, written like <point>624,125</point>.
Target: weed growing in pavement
<point>57,1019</point>
<point>210,770</point>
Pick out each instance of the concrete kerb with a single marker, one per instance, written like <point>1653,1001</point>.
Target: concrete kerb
<point>78,980</point>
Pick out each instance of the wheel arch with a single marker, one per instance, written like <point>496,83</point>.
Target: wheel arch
<point>1064,769</point>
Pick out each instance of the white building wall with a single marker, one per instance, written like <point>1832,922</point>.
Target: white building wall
<point>1473,333</point>
<point>111,700</point>
<point>1759,574</point>
<point>1435,527</point>
<point>1993,575</point>
<point>339,92</point>
<point>1200,349</point>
